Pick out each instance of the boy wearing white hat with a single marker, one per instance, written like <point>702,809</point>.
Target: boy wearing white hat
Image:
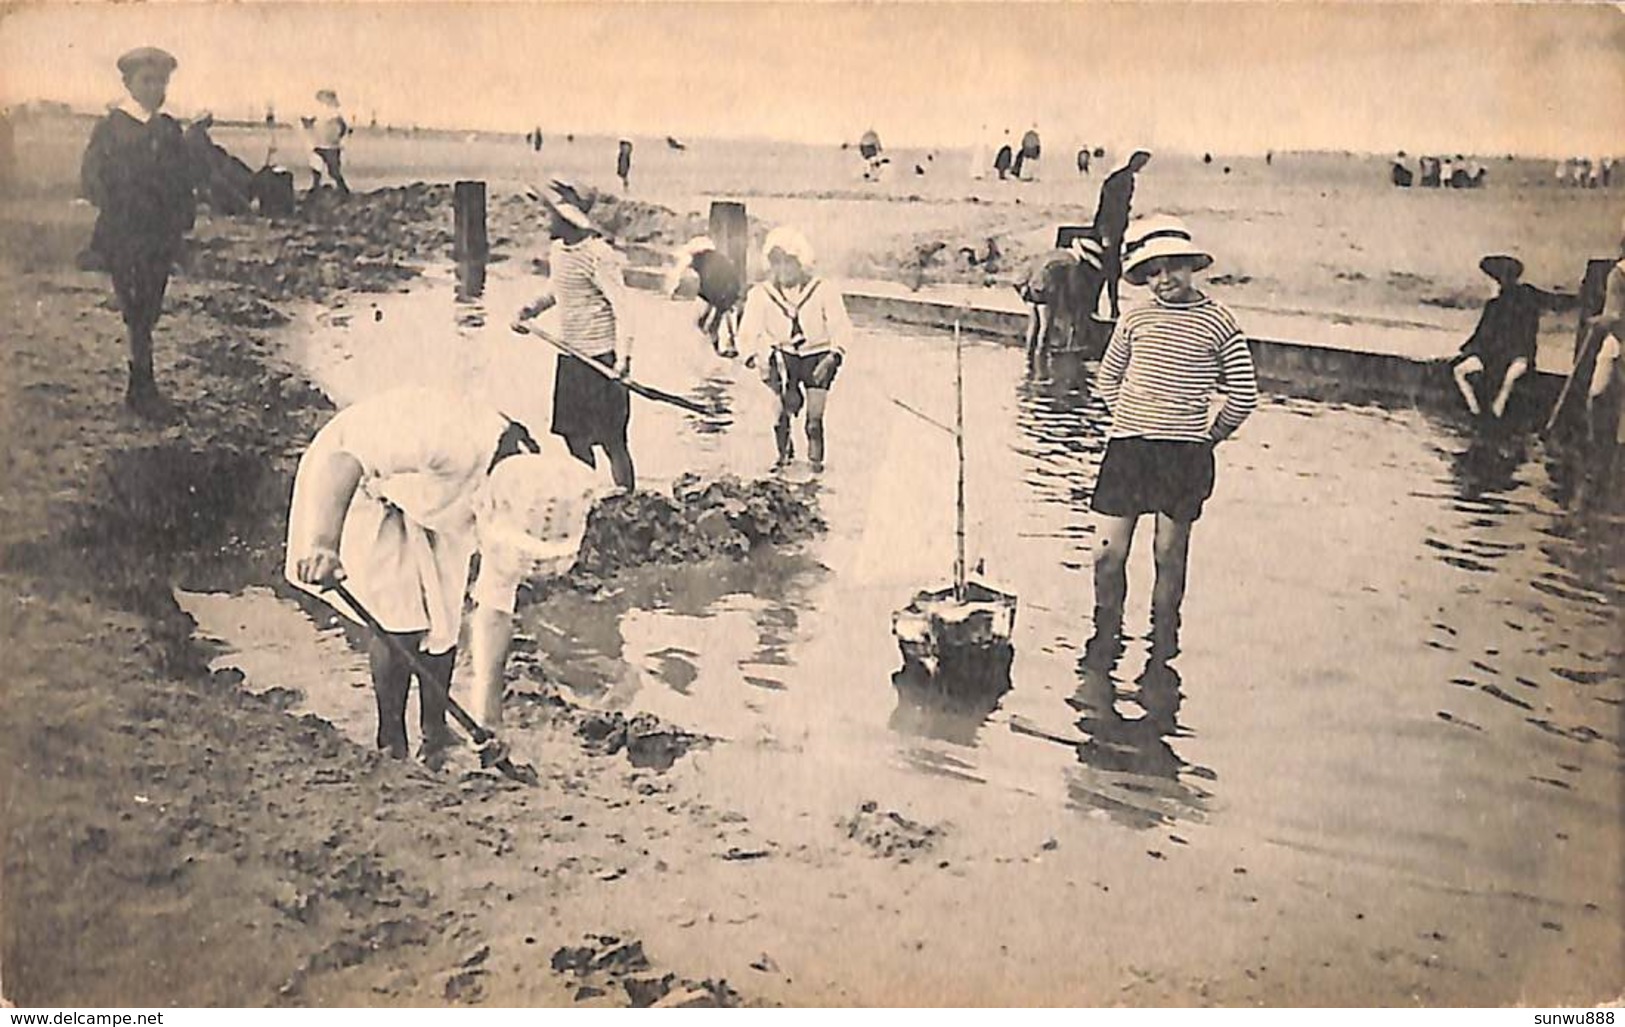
<point>589,287</point>
<point>795,332</point>
<point>1166,363</point>
<point>393,497</point>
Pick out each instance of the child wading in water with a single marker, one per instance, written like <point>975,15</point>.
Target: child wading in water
<point>795,332</point>
<point>1165,364</point>
<point>589,409</point>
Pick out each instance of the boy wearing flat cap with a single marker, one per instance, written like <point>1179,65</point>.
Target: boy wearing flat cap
<point>137,173</point>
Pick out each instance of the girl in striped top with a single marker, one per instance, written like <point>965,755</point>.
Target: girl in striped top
<point>1165,366</point>
<point>588,286</point>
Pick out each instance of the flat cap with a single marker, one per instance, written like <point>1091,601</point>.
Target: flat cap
<point>145,57</point>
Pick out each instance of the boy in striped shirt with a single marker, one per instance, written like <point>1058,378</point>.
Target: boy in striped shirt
<point>1163,369</point>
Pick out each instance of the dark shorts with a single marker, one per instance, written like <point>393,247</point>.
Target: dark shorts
<point>589,409</point>
<point>798,374</point>
<point>1140,476</point>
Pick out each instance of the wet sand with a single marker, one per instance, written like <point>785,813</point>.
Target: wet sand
<point>1385,770</point>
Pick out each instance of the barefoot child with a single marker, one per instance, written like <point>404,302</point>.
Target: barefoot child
<point>1163,369</point>
<point>795,332</point>
<point>589,410</point>
<point>1502,348</point>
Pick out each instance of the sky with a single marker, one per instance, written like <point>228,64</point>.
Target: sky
<point>1539,79</point>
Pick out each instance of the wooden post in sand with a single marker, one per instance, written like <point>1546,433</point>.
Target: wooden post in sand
<point>468,221</point>
<point>730,230</point>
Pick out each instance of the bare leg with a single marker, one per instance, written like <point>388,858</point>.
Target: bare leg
<point>1172,546</point>
<point>1035,330</point>
<point>1111,583</point>
<point>1463,373</point>
<point>1517,369</point>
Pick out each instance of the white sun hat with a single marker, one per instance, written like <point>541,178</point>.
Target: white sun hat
<point>791,243</point>
<point>1158,236</point>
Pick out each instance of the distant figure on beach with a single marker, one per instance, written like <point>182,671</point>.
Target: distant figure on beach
<point>1501,349</point>
<point>328,130</point>
<point>1166,364</point>
<point>1447,174</point>
<point>623,164</point>
<point>1112,214</point>
<point>1083,161</point>
<point>795,332</point>
<point>8,152</point>
<point>674,143</point>
<point>1399,174</point>
<point>721,286</point>
<point>1026,166</point>
<point>534,138</point>
<point>1428,167</point>
<point>1061,290</point>
<point>1005,159</point>
<point>1269,158</point>
<point>588,285</point>
<point>138,174</point>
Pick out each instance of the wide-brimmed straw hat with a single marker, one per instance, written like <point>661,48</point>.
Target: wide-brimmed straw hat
<point>566,201</point>
<point>147,57</point>
<point>537,506</point>
<point>1088,251</point>
<point>1159,236</point>
<point>791,243</point>
<point>1502,267</point>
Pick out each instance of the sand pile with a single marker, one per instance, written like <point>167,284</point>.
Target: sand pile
<point>622,221</point>
<point>364,242</point>
<point>701,520</point>
<point>607,964</point>
<point>890,834</point>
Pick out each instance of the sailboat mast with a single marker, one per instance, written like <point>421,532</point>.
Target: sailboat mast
<point>959,441</point>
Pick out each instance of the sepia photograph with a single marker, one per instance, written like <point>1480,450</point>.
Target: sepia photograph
<point>601,505</point>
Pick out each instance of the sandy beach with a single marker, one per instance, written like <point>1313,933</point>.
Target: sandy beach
<point>1387,772</point>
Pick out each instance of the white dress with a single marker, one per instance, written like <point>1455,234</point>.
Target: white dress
<point>409,534</point>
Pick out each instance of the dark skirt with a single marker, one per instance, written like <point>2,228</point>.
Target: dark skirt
<point>589,409</point>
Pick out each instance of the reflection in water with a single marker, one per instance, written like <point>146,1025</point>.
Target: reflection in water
<point>1127,767</point>
<point>946,707</point>
<point>583,638</point>
<point>715,392</point>
<point>470,290</point>
<point>1063,437</point>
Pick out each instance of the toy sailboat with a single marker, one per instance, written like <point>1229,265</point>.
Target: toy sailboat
<point>961,632</point>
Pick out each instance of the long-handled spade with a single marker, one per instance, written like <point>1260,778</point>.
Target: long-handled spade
<point>636,388</point>
<point>492,752</point>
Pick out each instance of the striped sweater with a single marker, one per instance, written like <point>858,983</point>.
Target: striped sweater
<point>1165,364</point>
<point>588,284</point>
